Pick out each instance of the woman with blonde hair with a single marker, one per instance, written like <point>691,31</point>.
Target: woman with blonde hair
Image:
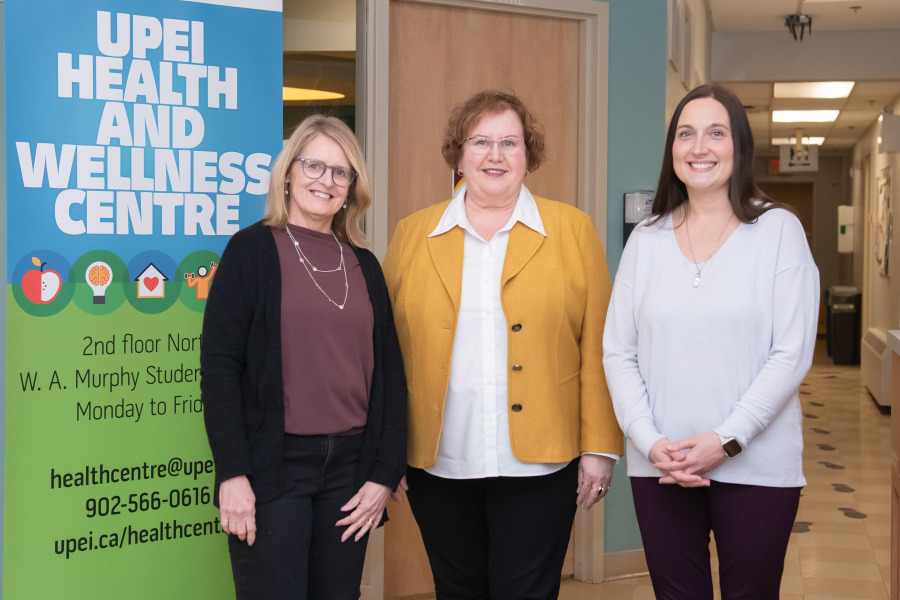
<point>302,382</point>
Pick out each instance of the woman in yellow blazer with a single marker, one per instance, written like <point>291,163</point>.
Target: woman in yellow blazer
<point>500,300</point>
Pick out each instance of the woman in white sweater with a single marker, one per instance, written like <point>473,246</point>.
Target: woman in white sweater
<point>709,333</point>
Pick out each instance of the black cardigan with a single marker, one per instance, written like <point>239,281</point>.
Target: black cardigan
<point>240,366</point>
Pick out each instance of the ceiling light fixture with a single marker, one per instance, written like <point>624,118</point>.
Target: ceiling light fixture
<point>292,94</point>
<point>792,141</point>
<point>804,116</point>
<point>813,89</point>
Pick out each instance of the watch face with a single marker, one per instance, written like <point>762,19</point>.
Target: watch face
<point>732,447</point>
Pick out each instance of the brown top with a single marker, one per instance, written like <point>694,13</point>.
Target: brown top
<point>327,353</point>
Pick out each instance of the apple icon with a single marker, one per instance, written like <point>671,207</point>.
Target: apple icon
<point>40,286</point>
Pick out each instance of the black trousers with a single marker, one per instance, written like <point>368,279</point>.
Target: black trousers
<point>298,553</point>
<point>498,538</point>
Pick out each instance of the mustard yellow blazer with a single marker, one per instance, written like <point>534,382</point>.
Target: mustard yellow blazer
<point>554,292</point>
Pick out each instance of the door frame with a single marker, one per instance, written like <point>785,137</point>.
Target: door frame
<point>372,130</point>
<point>372,98</point>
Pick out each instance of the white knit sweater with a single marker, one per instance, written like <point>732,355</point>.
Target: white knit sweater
<point>727,356</point>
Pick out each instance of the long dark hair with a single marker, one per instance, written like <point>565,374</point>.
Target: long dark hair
<point>747,200</point>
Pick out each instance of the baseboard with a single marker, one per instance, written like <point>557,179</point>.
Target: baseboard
<point>875,365</point>
<point>620,565</point>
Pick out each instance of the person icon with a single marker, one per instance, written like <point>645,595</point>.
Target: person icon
<point>201,281</point>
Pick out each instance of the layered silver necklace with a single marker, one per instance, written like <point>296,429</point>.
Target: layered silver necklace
<point>697,265</point>
<point>308,265</point>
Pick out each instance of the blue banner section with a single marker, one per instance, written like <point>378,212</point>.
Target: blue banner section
<point>135,126</point>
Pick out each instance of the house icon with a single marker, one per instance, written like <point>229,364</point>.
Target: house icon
<point>151,282</point>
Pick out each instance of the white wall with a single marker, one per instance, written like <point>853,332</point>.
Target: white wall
<point>683,71</point>
<point>317,26</point>
<point>881,295</point>
<point>822,56</point>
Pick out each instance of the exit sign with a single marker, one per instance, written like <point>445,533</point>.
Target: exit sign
<point>798,160</point>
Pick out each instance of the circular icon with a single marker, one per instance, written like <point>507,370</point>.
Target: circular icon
<point>99,278</point>
<point>153,286</point>
<point>197,270</point>
<point>37,285</point>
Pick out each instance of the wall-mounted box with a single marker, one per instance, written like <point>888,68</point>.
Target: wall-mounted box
<point>845,230</point>
<point>890,133</point>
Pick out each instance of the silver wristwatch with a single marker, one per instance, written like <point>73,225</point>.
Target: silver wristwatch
<point>730,445</point>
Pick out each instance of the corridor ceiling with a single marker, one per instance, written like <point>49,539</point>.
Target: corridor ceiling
<point>865,103</point>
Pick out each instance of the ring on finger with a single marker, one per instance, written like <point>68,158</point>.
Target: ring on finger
<point>371,521</point>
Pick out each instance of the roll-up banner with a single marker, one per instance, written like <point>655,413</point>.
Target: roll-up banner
<point>138,139</point>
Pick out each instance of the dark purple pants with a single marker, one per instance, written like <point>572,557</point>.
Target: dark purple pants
<point>751,525</point>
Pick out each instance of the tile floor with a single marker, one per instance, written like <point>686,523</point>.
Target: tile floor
<point>840,548</point>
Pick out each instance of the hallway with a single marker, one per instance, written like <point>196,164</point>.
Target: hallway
<point>840,548</point>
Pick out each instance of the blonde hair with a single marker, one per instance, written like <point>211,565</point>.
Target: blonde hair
<point>346,223</point>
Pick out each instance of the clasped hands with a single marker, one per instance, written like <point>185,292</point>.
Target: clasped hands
<point>686,461</point>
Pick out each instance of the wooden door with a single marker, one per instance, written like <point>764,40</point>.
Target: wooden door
<point>440,56</point>
<point>421,57</point>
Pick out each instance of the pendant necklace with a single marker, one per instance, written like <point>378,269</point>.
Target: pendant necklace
<point>698,266</point>
<point>306,265</point>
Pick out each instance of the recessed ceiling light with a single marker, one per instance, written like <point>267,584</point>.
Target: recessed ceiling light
<point>814,89</point>
<point>292,94</point>
<point>804,116</point>
<point>807,141</point>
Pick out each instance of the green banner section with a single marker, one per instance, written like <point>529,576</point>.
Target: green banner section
<point>110,486</point>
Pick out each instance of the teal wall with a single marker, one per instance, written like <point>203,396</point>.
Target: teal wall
<point>637,128</point>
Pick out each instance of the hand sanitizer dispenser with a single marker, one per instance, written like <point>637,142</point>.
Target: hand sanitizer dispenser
<point>845,230</point>
<point>638,206</point>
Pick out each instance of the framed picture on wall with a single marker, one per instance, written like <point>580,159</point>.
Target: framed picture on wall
<point>881,222</point>
<point>686,45</point>
<point>673,41</point>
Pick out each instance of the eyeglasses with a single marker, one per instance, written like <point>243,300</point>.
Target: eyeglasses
<point>314,169</point>
<point>507,145</point>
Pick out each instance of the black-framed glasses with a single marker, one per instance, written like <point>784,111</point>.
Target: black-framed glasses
<point>507,145</point>
<point>314,169</point>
